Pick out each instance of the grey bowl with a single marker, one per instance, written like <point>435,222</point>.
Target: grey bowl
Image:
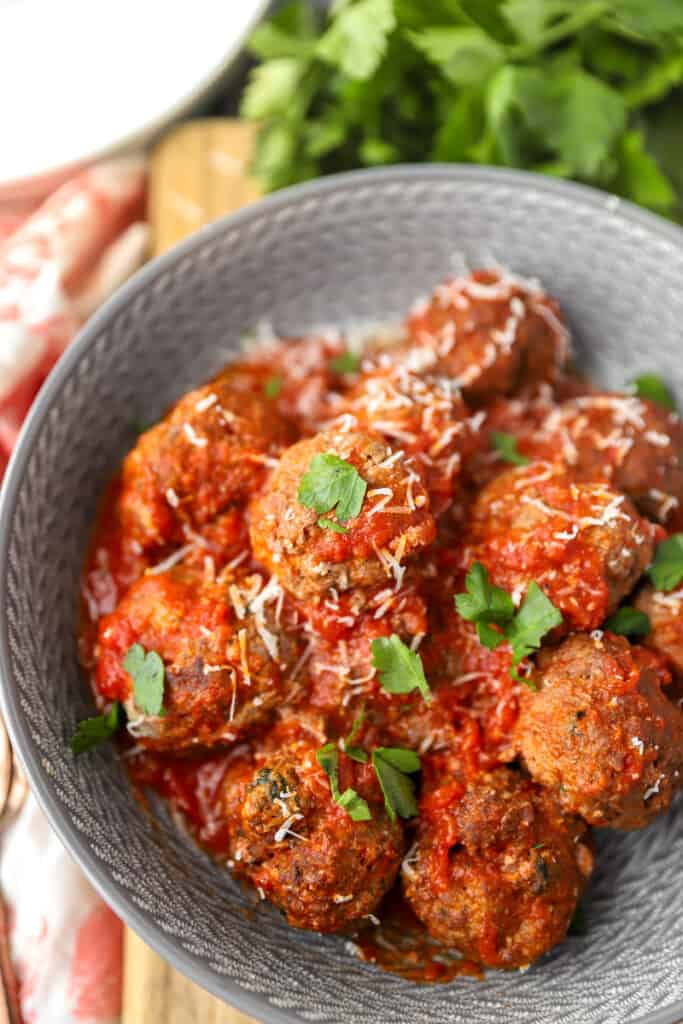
<point>360,246</point>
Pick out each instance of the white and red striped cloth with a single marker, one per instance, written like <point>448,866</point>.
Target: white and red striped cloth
<point>58,262</point>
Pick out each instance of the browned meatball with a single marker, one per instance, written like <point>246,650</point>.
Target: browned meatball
<point>225,662</point>
<point>600,733</point>
<point>304,852</point>
<point>424,417</point>
<point>213,448</point>
<point>665,612</point>
<point>497,870</point>
<point>632,442</point>
<point>491,333</point>
<point>584,544</point>
<point>394,523</point>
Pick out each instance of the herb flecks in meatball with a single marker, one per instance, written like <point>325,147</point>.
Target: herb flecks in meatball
<point>497,869</point>
<point>584,544</point>
<point>394,521</point>
<point>303,851</point>
<point>600,733</point>
<point>492,333</point>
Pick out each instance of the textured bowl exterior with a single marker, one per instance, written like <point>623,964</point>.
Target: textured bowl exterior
<point>355,247</point>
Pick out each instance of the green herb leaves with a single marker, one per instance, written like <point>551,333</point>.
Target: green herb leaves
<point>506,446</point>
<point>393,767</point>
<point>346,362</point>
<point>92,732</point>
<point>537,616</point>
<point>273,386</point>
<point>652,387</point>
<point>666,571</point>
<point>354,805</point>
<point>575,88</point>
<point>329,482</point>
<point>147,672</point>
<point>484,604</point>
<point>628,621</point>
<point>400,669</point>
<point>489,606</point>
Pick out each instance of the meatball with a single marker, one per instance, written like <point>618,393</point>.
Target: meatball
<point>600,734</point>
<point>213,448</point>
<point>665,612</point>
<point>497,869</point>
<point>225,669</point>
<point>304,852</point>
<point>492,333</point>
<point>633,443</point>
<point>394,523</point>
<point>427,417</point>
<point>584,544</point>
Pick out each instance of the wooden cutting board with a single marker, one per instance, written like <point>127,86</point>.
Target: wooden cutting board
<point>197,174</point>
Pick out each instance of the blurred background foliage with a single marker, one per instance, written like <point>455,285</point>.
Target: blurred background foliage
<point>584,89</point>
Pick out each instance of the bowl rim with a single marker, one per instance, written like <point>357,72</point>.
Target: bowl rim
<point>95,871</point>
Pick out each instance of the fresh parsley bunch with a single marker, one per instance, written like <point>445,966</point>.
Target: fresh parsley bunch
<point>582,89</point>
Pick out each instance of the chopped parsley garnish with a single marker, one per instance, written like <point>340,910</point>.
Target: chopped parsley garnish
<point>652,387</point>
<point>484,604</point>
<point>92,732</point>
<point>489,606</point>
<point>393,767</point>
<point>273,386</point>
<point>506,446</point>
<point>330,524</point>
<point>354,752</point>
<point>628,621</point>
<point>400,669</point>
<point>666,571</point>
<point>347,362</point>
<point>146,669</point>
<point>354,805</point>
<point>332,483</point>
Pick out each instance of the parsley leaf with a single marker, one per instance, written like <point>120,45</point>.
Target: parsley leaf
<point>329,482</point>
<point>354,805</point>
<point>357,753</point>
<point>346,362</point>
<point>488,605</point>
<point>91,732</point>
<point>147,672</point>
<point>506,446</point>
<point>392,766</point>
<point>666,571</point>
<point>400,669</point>
<point>329,524</point>
<point>537,616</point>
<point>273,386</point>
<point>357,38</point>
<point>628,621</point>
<point>652,387</point>
<point>483,602</point>
<point>466,55</point>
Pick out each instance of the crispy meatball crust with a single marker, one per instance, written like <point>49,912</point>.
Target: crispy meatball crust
<point>211,450</point>
<point>334,871</point>
<point>584,544</point>
<point>309,560</point>
<point>498,869</point>
<point>491,334</point>
<point>600,734</point>
<point>220,679</point>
